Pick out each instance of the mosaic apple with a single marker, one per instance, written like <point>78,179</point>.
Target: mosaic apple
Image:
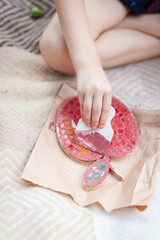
<point>124,141</point>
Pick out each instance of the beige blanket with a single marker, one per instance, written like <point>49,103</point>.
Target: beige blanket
<point>27,91</point>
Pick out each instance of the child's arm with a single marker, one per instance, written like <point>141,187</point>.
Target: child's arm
<point>93,87</point>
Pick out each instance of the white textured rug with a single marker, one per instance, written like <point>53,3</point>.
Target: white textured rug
<point>27,90</point>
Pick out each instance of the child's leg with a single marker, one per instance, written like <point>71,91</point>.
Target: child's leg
<point>146,23</point>
<point>102,15</point>
<point>135,39</point>
<point>123,46</point>
<point>115,46</point>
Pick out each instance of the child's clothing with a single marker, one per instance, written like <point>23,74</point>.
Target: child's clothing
<point>143,6</point>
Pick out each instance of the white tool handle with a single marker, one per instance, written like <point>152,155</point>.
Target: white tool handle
<point>107,131</point>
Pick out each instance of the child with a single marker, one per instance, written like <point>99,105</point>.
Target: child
<point>97,34</point>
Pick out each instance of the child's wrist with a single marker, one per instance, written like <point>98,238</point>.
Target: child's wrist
<point>88,61</point>
<point>89,68</point>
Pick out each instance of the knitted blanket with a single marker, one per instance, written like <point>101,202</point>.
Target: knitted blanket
<point>18,28</point>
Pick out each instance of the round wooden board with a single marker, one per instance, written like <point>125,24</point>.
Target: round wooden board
<point>124,141</point>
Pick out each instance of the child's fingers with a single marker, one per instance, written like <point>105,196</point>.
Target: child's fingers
<point>105,110</point>
<point>81,99</point>
<point>96,110</point>
<point>87,106</point>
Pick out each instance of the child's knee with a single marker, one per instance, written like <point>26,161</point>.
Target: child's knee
<point>54,50</point>
<point>50,47</point>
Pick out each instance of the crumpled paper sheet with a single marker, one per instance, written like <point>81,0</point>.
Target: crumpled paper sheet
<point>49,167</point>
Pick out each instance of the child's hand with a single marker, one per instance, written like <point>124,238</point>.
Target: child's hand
<point>95,94</point>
